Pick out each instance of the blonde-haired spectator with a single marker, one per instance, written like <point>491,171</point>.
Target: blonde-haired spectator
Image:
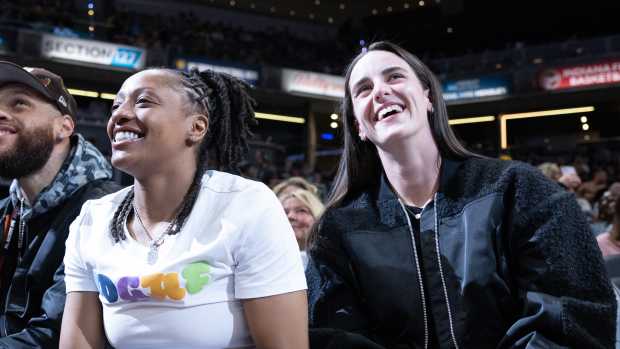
<point>550,170</point>
<point>302,208</point>
<point>293,183</point>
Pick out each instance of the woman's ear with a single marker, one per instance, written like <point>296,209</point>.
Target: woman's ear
<point>198,128</point>
<point>359,130</point>
<point>429,103</point>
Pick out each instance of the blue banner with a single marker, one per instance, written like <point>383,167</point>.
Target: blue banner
<point>475,88</point>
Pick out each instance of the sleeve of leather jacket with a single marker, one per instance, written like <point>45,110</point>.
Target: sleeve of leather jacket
<point>558,270</point>
<point>42,331</point>
<point>336,317</point>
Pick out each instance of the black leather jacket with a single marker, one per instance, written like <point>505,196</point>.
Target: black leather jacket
<point>518,268</point>
<point>34,301</point>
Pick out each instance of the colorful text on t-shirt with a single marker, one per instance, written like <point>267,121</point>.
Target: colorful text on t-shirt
<point>159,286</point>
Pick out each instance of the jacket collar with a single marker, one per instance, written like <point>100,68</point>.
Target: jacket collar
<point>387,201</point>
<point>83,164</point>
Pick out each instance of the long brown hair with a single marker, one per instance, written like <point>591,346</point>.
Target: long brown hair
<point>360,167</point>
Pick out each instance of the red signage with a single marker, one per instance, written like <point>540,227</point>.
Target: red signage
<point>602,73</point>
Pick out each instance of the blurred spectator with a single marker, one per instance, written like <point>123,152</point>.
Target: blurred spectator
<point>570,181</point>
<point>302,208</point>
<point>590,190</point>
<point>550,170</point>
<point>293,183</point>
<point>609,242</point>
<point>606,209</point>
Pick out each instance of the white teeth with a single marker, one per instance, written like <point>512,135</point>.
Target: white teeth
<point>125,135</point>
<point>4,132</point>
<point>394,107</point>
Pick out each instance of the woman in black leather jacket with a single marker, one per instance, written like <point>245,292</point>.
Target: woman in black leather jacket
<point>426,245</point>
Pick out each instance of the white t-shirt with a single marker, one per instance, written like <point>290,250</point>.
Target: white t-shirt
<point>236,244</point>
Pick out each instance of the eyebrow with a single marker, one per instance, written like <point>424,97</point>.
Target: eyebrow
<point>121,95</point>
<point>385,71</point>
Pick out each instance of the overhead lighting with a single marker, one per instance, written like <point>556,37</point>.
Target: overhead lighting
<point>552,112</point>
<point>535,114</point>
<point>91,12</point>
<point>333,124</point>
<point>334,116</point>
<point>342,6</point>
<point>585,127</point>
<point>374,11</point>
<point>503,133</point>
<point>584,119</point>
<point>330,20</point>
<point>83,93</point>
<point>389,9</point>
<point>421,3</point>
<point>109,96</point>
<point>471,120</point>
<point>276,117</point>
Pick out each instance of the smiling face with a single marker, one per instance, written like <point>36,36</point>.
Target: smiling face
<point>29,126</point>
<point>388,100</point>
<point>300,217</point>
<point>150,129</point>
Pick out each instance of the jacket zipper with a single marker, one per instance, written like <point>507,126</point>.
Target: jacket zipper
<point>417,266</point>
<point>443,280</point>
<point>441,275</point>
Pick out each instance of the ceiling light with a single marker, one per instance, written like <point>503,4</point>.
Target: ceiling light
<point>421,3</point>
<point>406,5</point>
<point>91,12</point>
<point>535,114</point>
<point>83,93</point>
<point>276,117</point>
<point>471,120</point>
<point>110,96</point>
<point>342,6</point>
<point>584,119</point>
<point>330,20</point>
<point>389,9</point>
<point>334,116</point>
<point>333,124</point>
<point>585,127</point>
<point>374,11</point>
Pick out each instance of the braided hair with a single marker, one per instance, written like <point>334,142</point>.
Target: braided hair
<point>230,109</point>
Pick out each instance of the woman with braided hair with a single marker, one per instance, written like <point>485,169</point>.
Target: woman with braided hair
<point>186,257</point>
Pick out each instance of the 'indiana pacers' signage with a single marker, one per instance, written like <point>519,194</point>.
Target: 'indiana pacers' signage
<point>585,75</point>
<point>93,52</point>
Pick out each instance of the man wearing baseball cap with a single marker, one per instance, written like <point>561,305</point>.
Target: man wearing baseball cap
<point>53,171</point>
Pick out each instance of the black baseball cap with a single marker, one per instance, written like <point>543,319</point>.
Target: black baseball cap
<point>48,84</point>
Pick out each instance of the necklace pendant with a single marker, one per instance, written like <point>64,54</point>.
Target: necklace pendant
<point>152,255</point>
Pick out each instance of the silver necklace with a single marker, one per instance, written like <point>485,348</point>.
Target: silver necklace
<point>153,253</point>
